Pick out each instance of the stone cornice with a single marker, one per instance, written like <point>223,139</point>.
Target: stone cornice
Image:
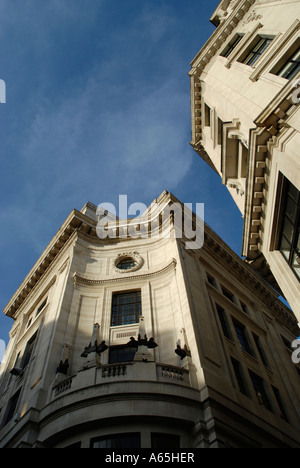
<point>94,281</point>
<point>271,126</point>
<point>202,59</point>
<point>219,36</point>
<point>247,276</point>
<point>73,223</point>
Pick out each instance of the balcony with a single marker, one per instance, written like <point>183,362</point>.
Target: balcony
<point>122,372</point>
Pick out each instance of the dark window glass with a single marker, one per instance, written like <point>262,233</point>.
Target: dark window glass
<point>239,376</point>
<point>242,336</point>
<point>289,244</point>
<point>245,308</point>
<point>258,385</point>
<point>211,280</point>
<point>165,441</point>
<point>120,441</point>
<point>121,354</point>
<point>41,307</point>
<point>257,52</point>
<point>11,408</point>
<point>126,308</point>
<point>291,67</point>
<point>207,115</point>
<point>228,294</point>
<point>28,352</point>
<point>224,322</point>
<point>126,264</point>
<point>260,350</point>
<point>232,45</point>
<point>283,414</point>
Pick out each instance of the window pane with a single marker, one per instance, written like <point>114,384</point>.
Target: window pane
<point>251,59</point>
<point>288,230</point>
<point>296,264</point>
<point>126,308</point>
<point>232,46</point>
<point>293,192</point>
<point>291,209</point>
<point>239,376</point>
<point>285,248</point>
<point>258,385</point>
<point>121,354</point>
<point>224,323</point>
<point>120,441</point>
<point>257,52</point>
<point>242,337</point>
<point>260,46</point>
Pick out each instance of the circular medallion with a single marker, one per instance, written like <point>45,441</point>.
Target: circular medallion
<point>128,262</point>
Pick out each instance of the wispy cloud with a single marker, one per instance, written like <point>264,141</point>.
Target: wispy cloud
<point>96,132</point>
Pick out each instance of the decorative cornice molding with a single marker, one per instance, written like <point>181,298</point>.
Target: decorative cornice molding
<point>65,236</point>
<point>271,126</point>
<point>247,276</point>
<point>93,281</point>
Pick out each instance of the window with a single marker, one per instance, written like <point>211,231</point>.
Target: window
<point>119,441</point>
<point>244,308</point>
<point>119,354</point>
<point>126,264</point>
<point>287,343</point>
<point>211,280</point>
<point>220,131</point>
<point>283,414</point>
<point>228,294</point>
<point>260,350</point>
<point>41,308</point>
<point>289,242</point>
<point>165,441</point>
<point>207,114</point>
<point>29,323</point>
<point>28,351</point>
<point>258,385</point>
<point>224,322</point>
<point>242,336</point>
<point>256,51</point>
<point>11,408</point>
<point>126,308</point>
<point>239,376</point>
<point>232,45</point>
<point>289,66</point>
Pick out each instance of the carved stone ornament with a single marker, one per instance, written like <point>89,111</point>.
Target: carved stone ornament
<point>135,262</point>
<point>254,16</point>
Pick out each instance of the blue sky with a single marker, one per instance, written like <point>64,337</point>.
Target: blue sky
<point>98,104</point>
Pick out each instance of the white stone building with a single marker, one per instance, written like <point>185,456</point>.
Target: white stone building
<point>140,342</point>
<point>246,123</point>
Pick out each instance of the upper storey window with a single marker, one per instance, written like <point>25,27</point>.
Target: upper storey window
<point>232,45</point>
<point>127,264</point>
<point>289,244</point>
<point>126,308</point>
<point>256,51</point>
<point>290,67</point>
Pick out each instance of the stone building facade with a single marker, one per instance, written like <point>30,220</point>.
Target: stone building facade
<point>140,342</point>
<point>245,125</point>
